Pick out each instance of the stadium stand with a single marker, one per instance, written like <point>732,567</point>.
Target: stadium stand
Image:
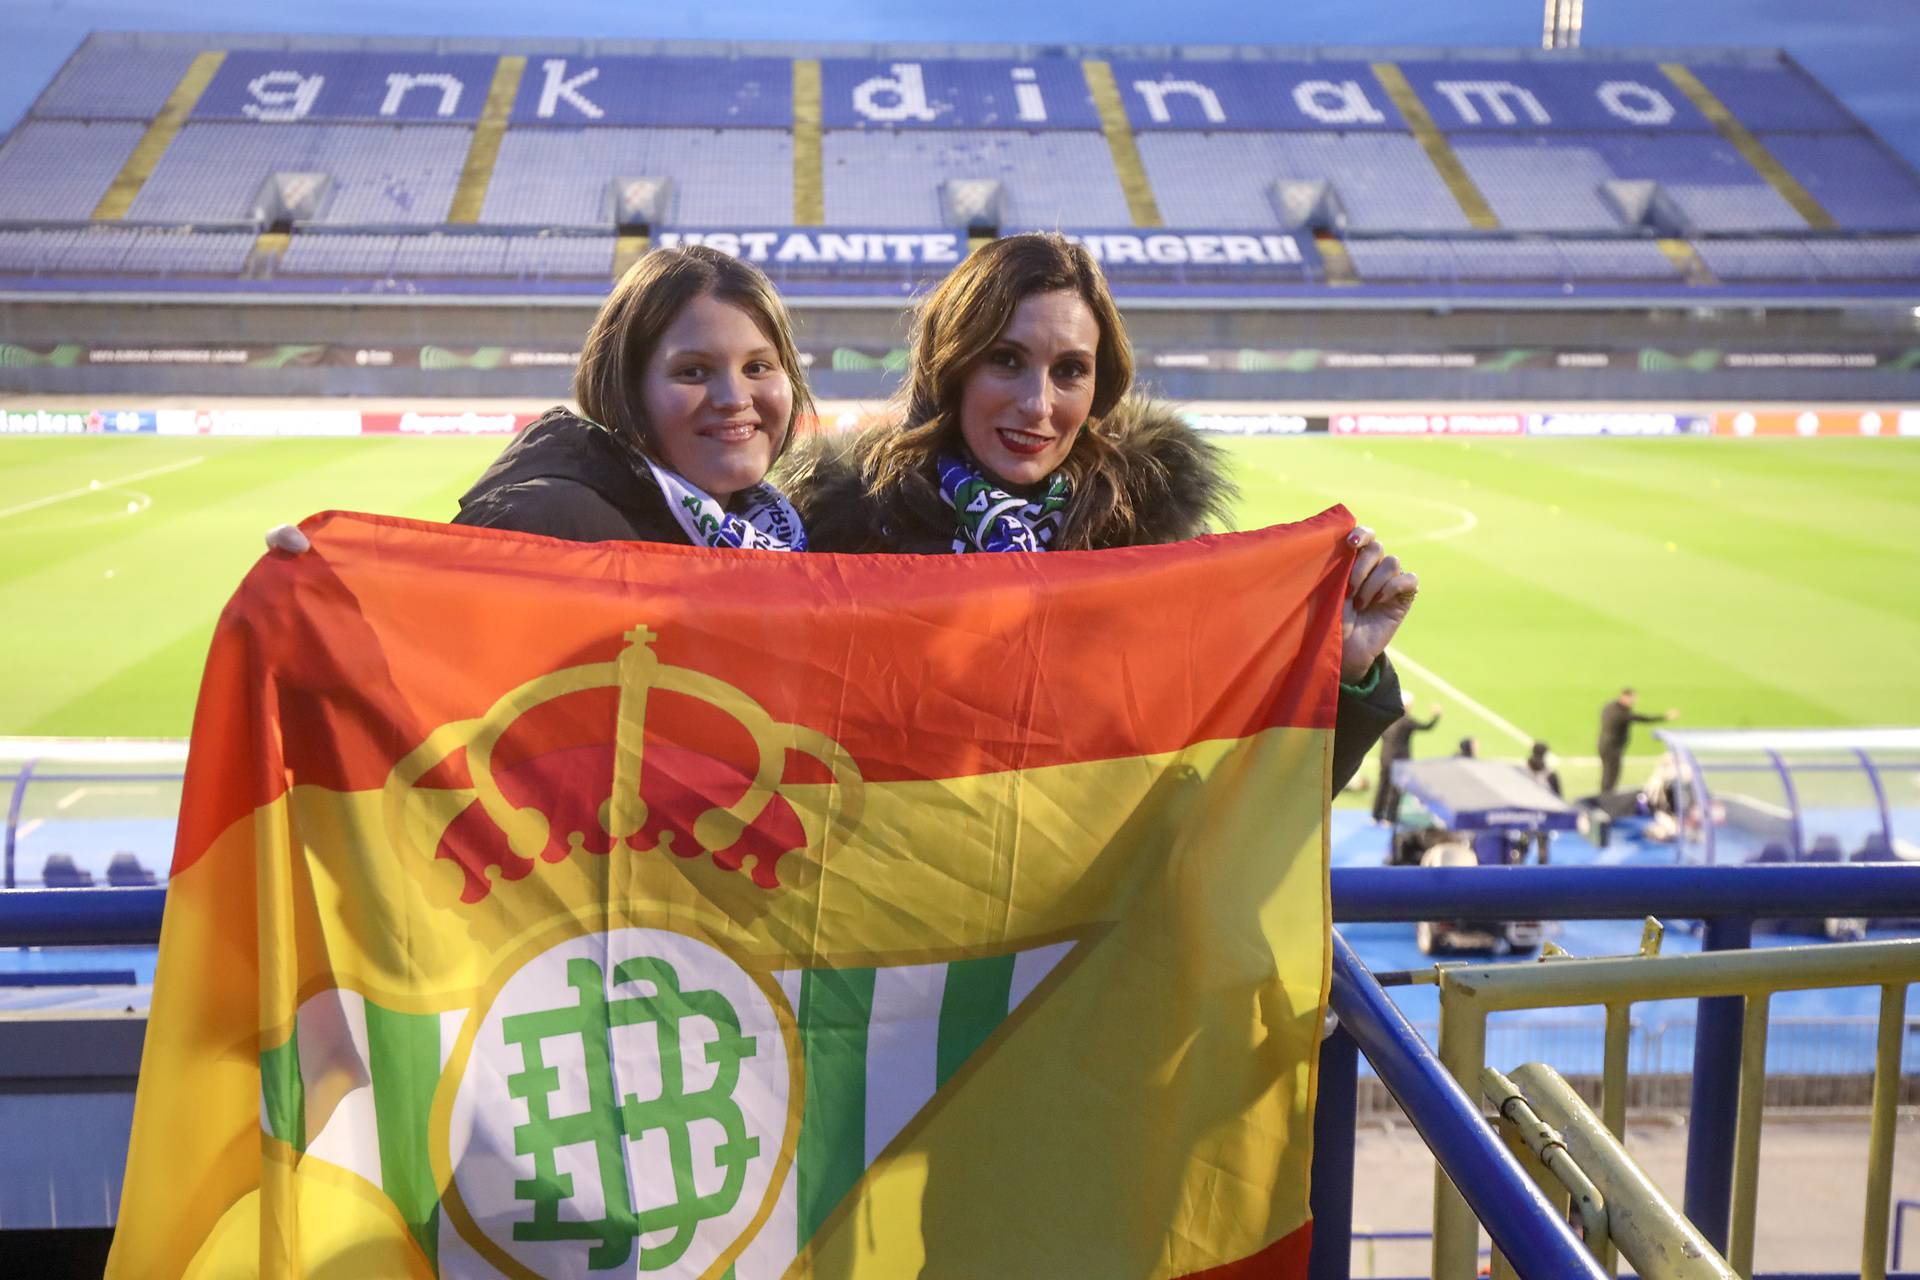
<point>1383,181</point>
<point>560,177</point>
<point>57,170</point>
<point>886,178</point>
<point>382,174</point>
<point>105,81</point>
<point>1852,175</point>
<point>1557,183</point>
<point>500,164</point>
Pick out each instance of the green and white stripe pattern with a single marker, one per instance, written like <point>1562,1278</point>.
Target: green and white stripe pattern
<point>876,1044</point>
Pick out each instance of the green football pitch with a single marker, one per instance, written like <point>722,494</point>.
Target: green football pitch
<point>1745,582</point>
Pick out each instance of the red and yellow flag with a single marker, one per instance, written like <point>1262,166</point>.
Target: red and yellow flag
<point>550,909</point>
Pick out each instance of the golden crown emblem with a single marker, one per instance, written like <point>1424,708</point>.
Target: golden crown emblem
<point>417,816</point>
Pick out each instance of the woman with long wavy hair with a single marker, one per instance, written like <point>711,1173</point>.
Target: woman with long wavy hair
<point>1015,431</point>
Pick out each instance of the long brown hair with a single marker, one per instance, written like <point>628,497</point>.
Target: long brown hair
<point>608,383</point>
<point>955,326</point>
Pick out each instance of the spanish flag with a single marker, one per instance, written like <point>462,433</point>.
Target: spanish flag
<point>581,910</point>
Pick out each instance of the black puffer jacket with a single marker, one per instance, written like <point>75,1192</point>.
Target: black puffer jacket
<point>567,478</point>
<point>1175,478</point>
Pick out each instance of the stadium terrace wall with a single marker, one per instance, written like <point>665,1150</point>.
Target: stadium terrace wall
<point>1224,419</point>
<point>1271,217</point>
<point>1707,354</point>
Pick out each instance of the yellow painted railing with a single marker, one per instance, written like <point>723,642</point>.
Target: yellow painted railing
<point>1618,1204</point>
<point>1470,993</point>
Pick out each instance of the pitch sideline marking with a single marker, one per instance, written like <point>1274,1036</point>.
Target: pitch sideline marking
<point>1468,523</point>
<point>1472,704</point>
<point>96,487</point>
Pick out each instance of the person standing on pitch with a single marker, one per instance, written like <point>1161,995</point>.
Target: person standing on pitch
<point>1617,719</point>
<point>1397,744</point>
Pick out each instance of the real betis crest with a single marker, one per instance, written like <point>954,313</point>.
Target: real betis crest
<point>627,1103</point>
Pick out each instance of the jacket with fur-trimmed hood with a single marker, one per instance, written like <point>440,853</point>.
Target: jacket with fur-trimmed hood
<point>1175,480</point>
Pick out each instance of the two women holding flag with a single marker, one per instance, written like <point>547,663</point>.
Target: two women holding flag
<point>1016,431</point>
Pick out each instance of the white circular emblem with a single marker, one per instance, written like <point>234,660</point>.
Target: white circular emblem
<point>623,1109</point>
<point>1743,424</point>
<point>1807,424</point>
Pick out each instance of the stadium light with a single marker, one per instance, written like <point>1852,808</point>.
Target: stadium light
<point>1561,28</point>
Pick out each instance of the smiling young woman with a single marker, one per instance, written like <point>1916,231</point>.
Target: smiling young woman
<point>1015,432</point>
<point>689,387</point>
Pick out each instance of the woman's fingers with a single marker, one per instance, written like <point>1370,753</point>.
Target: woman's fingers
<point>1365,557</point>
<point>288,538</point>
<point>1378,584</point>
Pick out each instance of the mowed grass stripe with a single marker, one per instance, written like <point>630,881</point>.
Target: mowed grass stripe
<point>1541,616</point>
<point>174,566</point>
<point>1819,531</point>
<point>1749,618</point>
<point>1687,486</point>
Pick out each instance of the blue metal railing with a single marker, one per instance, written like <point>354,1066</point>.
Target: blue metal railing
<point>1518,1216</point>
<point>1900,1208</point>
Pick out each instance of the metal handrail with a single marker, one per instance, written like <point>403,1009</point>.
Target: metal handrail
<point>1517,1215</point>
<point>1470,993</point>
<point>35,917</point>
<point>1654,1236</point>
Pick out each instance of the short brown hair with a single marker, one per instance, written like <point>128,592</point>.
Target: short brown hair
<point>613,359</point>
<point>953,328</point>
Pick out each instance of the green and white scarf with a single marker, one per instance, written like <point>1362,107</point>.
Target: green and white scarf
<point>766,521</point>
<point>988,518</point>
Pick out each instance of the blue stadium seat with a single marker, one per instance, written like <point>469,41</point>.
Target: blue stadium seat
<point>1551,181</point>
<point>1875,848</point>
<point>887,178</point>
<point>57,170</point>
<point>560,257</point>
<point>97,251</point>
<point>60,872</point>
<point>1537,184</point>
<point>1826,849</point>
<point>1773,97</point>
<point>1500,260</point>
<point>1853,177</point>
<point>1392,260</point>
<point>1889,259</point>
<point>166,252</point>
<point>1740,260</point>
<point>124,870</point>
<point>558,177</point>
<point>1384,181</point>
<point>339,255</point>
<point>444,255</point>
<point>102,82</point>
<point>1616,260</point>
<point>382,174</point>
<point>34,251</point>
